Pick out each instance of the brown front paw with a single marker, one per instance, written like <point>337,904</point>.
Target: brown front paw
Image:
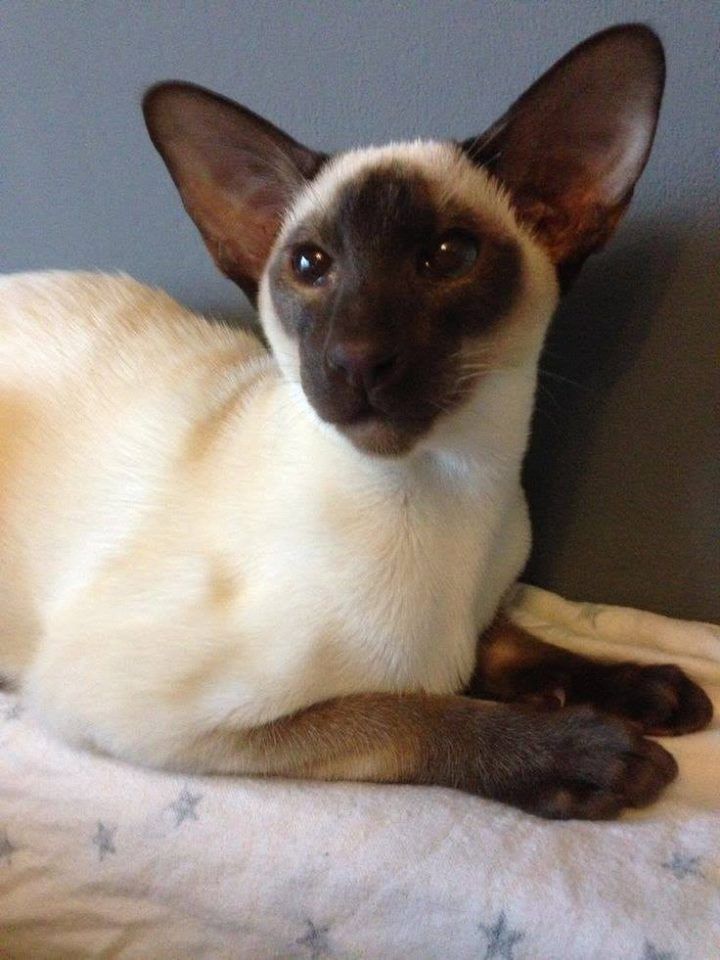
<point>514,666</point>
<point>660,698</point>
<point>590,767</point>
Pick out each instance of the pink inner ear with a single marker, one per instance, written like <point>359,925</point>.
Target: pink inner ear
<point>236,173</point>
<point>624,163</point>
<point>571,149</point>
<point>239,227</point>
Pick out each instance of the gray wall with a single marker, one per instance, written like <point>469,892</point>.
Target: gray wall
<point>623,472</point>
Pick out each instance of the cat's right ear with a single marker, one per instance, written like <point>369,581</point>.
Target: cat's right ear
<point>237,174</point>
<point>571,149</point>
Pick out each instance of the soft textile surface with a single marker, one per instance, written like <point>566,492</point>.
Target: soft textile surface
<point>98,859</point>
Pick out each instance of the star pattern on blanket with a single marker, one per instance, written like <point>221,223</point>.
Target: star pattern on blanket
<point>501,939</point>
<point>652,953</point>
<point>184,806</point>
<point>14,711</point>
<point>681,865</point>
<point>103,839</point>
<point>7,848</point>
<point>315,940</point>
<point>591,612</point>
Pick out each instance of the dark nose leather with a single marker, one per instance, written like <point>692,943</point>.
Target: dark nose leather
<point>363,363</point>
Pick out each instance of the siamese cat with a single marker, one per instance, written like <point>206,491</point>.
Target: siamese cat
<point>219,559</point>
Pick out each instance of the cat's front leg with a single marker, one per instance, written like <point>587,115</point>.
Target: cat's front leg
<point>564,764</point>
<point>156,698</point>
<point>513,665</point>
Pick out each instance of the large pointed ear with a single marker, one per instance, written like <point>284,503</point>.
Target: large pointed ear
<point>236,173</point>
<point>570,150</point>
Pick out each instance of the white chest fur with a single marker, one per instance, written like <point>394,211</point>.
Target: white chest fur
<point>204,536</point>
<point>356,574</point>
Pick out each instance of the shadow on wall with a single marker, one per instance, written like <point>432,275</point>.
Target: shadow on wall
<point>621,473</point>
<point>595,339</point>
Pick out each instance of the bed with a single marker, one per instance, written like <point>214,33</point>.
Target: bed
<point>101,859</point>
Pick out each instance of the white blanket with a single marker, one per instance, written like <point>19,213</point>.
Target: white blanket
<point>100,859</point>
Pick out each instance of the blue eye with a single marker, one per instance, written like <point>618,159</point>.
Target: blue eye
<point>310,264</point>
<point>453,254</point>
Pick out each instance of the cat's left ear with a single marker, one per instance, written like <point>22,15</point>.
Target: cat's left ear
<point>237,173</point>
<point>570,149</point>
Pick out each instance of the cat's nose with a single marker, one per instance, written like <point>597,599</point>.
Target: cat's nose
<point>363,363</point>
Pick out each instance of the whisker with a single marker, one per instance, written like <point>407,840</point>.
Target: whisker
<point>549,394</point>
<point>557,376</point>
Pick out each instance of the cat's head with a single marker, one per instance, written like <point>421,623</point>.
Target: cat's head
<point>391,281</point>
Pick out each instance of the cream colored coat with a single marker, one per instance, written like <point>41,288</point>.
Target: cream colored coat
<point>177,528</point>
<point>185,547</point>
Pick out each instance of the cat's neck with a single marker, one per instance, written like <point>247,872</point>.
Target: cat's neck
<point>483,442</point>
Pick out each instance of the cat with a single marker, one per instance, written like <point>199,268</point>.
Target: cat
<point>219,559</point>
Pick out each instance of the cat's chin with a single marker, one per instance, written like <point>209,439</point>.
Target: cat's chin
<point>376,435</point>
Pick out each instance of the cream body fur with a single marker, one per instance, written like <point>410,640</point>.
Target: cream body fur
<point>213,558</point>
<point>186,547</point>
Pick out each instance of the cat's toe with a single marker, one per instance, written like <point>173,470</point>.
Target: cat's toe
<point>660,698</point>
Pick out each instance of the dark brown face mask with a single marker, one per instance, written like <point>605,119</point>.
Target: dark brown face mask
<point>381,290</point>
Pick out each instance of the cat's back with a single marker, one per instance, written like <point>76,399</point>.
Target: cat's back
<point>102,382</point>
<point>55,323</point>
<point>93,366</point>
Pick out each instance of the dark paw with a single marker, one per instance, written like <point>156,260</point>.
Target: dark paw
<point>592,768</point>
<point>660,698</point>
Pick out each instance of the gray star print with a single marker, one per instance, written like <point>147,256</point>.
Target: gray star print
<point>184,806</point>
<point>652,953</point>
<point>7,849</point>
<point>501,939</point>
<point>591,612</point>
<point>103,840</point>
<point>315,940</point>
<point>681,865</point>
<point>13,712</point>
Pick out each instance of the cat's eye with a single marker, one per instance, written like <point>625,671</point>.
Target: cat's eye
<point>310,264</point>
<point>450,256</point>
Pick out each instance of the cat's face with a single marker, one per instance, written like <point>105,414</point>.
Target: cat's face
<point>393,281</point>
<point>400,279</point>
